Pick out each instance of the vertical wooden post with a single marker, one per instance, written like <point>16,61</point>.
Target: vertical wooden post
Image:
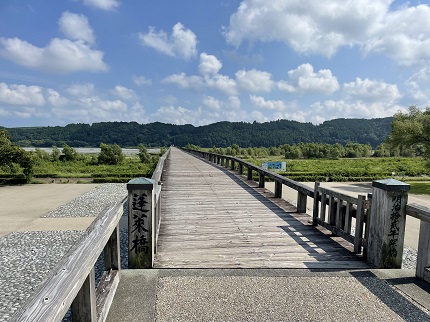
<point>278,189</point>
<point>387,223</point>
<point>423,258</point>
<point>84,304</point>
<point>141,232</point>
<point>232,165</point>
<point>331,211</point>
<point>249,175</point>
<point>359,224</point>
<point>240,169</point>
<point>261,180</point>
<point>316,201</point>
<point>222,161</point>
<point>323,206</point>
<point>112,252</point>
<point>301,202</point>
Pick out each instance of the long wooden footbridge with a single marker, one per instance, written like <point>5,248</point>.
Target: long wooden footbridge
<point>204,210</point>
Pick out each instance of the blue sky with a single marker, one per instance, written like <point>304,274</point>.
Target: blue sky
<point>202,61</point>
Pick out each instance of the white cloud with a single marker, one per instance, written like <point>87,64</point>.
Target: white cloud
<point>54,98</point>
<point>76,27</point>
<point>322,27</point>
<point>184,81</point>
<point>103,4</point>
<point>212,102</point>
<point>177,115</point>
<point>267,104</point>
<point>418,86</point>
<point>234,102</point>
<point>254,80</point>
<point>371,91</point>
<point>60,56</point>
<point>209,65</point>
<point>304,79</point>
<point>81,90</point>
<point>223,83</point>
<point>124,93</point>
<point>15,94</point>
<point>141,80</point>
<point>356,109</point>
<point>181,43</point>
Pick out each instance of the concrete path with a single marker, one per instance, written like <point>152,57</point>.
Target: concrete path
<point>22,206</point>
<point>269,295</point>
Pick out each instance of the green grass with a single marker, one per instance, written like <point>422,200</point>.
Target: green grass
<point>420,187</point>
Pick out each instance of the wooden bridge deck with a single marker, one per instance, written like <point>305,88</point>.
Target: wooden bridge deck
<point>214,219</point>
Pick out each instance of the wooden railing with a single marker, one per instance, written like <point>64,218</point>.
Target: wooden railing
<point>157,176</point>
<point>338,216</point>
<point>423,255</point>
<point>72,282</point>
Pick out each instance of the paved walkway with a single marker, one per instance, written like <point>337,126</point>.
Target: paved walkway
<point>269,295</point>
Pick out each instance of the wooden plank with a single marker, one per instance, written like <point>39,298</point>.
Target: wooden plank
<point>84,304</point>
<point>423,256</point>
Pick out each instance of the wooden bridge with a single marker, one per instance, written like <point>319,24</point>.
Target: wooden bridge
<point>215,219</point>
<point>213,211</point>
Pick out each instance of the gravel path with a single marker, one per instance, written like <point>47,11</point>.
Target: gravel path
<point>27,257</point>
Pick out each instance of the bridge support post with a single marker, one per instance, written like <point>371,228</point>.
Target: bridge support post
<point>261,180</point>
<point>232,165</point>
<point>240,168</point>
<point>278,189</point>
<point>249,175</point>
<point>302,200</point>
<point>141,232</point>
<point>387,223</point>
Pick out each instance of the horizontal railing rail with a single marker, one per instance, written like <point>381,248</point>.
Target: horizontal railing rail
<point>72,282</point>
<point>157,176</point>
<point>423,254</point>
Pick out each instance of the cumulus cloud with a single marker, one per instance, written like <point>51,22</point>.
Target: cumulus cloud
<point>141,80</point>
<point>15,94</point>
<point>124,93</point>
<point>55,98</point>
<point>76,27</point>
<point>305,79</point>
<point>254,80</point>
<point>268,104</point>
<point>324,26</point>
<point>81,90</point>
<point>181,43</point>
<point>371,91</point>
<point>212,102</point>
<point>177,115</point>
<point>102,4</point>
<point>418,86</point>
<point>184,81</point>
<point>209,65</point>
<point>59,56</point>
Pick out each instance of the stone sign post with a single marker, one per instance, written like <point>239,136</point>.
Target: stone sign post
<point>387,223</point>
<point>140,223</point>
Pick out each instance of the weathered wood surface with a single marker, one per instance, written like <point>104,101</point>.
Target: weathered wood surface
<point>213,219</point>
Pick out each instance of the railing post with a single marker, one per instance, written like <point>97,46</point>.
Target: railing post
<point>316,201</point>
<point>84,305</point>
<point>232,164</point>
<point>387,223</point>
<point>261,180</point>
<point>278,189</point>
<point>141,223</point>
<point>423,258</point>
<point>112,252</point>
<point>249,175</point>
<point>301,202</point>
<point>240,169</point>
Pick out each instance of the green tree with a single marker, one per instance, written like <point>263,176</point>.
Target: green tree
<point>144,156</point>
<point>69,153</point>
<point>13,157</point>
<point>110,154</point>
<point>412,129</point>
<point>55,155</point>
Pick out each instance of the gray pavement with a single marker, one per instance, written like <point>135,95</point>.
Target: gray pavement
<point>268,295</point>
<point>22,206</point>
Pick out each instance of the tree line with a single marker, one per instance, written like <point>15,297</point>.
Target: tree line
<point>221,134</point>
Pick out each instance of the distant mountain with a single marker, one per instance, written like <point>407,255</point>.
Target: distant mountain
<point>221,134</point>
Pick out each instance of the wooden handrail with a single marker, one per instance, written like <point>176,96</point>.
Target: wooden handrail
<point>418,211</point>
<point>56,294</point>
